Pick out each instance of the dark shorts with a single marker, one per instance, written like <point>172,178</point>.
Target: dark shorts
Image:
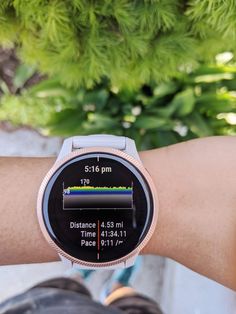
<point>65,295</point>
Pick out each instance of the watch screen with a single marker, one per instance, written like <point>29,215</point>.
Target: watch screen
<point>97,207</point>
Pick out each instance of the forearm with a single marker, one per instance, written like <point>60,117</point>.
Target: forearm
<point>196,226</point>
<point>21,240</point>
<point>196,184</point>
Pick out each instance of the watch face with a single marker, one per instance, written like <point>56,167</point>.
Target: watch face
<point>97,207</point>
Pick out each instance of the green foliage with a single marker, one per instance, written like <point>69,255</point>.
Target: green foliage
<point>129,42</point>
<point>202,103</point>
<point>23,73</point>
<point>216,15</point>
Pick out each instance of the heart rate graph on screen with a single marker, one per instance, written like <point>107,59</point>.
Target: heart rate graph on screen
<point>90,197</point>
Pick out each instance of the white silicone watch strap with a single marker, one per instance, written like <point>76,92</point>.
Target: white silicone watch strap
<point>99,140</point>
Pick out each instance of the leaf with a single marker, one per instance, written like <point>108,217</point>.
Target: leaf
<point>184,102</point>
<point>4,87</point>
<point>164,138</point>
<point>165,89</point>
<point>198,125</point>
<point>101,121</point>
<point>210,78</point>
<point>50,88</point>
<point>217,69</point>
<point>98,97</point>
<point>65,123</point>
<point>22,74</point>
<point>146,122</point>
<point>216,103</point>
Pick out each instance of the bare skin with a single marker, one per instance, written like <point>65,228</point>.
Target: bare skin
<point>196,184</point>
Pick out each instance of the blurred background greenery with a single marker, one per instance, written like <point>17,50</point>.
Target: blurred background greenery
<point>158,71</point>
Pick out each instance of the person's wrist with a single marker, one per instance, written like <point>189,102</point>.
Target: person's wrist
<point>154,162</point>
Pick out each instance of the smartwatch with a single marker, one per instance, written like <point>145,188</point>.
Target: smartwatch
<point>97,206</point>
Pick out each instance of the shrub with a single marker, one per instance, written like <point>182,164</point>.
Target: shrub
<point>197,104</point>
<point>129,42</point>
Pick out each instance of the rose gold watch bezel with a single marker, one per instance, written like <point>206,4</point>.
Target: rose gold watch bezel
<point>81,152</point>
